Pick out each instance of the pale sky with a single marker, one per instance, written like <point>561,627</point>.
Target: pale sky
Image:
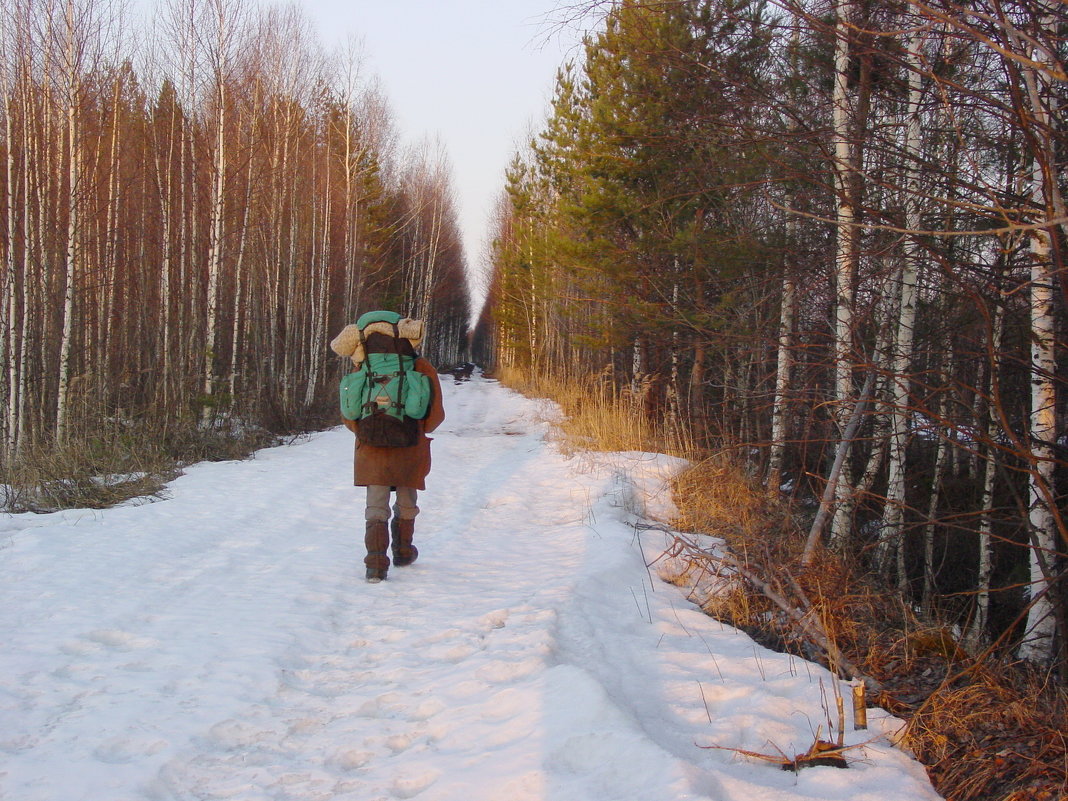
<point>475,74</point>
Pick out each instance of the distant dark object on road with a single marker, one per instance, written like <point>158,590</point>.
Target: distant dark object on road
<point>462,372</point>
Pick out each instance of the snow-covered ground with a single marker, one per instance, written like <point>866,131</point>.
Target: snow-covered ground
<point>222,643</point>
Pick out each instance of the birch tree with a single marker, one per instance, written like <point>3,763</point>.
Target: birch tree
<point>894,515</point>
<point>1041,620</point>
<point>73,26</point>
<point>223,26</point>
<point>843,111</point>
<point>12,67</point>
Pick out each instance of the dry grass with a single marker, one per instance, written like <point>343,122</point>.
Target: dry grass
<point>718,497</point>
<point>999,734</point>
<point>986,732</point>
<point>716,589</point>
<point>89,474</point>
<point>101,468</point>
<point>596,417</point>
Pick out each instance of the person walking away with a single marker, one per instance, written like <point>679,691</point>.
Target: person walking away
<point>385,469</point>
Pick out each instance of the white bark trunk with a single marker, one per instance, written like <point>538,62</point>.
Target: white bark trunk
<point>893,526</point>
<point>1038,640</point>
<point>70,254</point>
<point>977,629</point>
<point>845,266</point>
<point>166,214</point>
<point>9,309</point>
<point>941,458</point>
<point>784,340</point>
<point>239,310</point>
<point>215,234</point>
<point>674,415</point>
<point>319,265</point>
<point>1041,622</point>
<point>787,311</point>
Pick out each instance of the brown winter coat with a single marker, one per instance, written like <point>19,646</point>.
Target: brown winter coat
<point>400,467</point>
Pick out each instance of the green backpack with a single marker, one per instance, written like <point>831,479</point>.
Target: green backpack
<point>387,396</point>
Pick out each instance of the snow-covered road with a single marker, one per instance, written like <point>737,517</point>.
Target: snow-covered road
<point>222,643</point>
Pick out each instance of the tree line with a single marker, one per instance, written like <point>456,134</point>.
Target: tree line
<point>191,209</point>
<point>828,235</point>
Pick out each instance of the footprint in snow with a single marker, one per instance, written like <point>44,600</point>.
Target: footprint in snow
<point>464,690</point>
<point>120,750</point>
<point>399,742</point>
<point>506,704</point>
<point>495,619</point>
<point>500,671</point>
<point>426,710</point>
<point>349,759</point>
<point>80,648</point>
<point>386,705</point>
<point>119,640</point>
<point>441,636</point>
<point>231,735</point>
<point>452,654</point>
<point>409,786</point>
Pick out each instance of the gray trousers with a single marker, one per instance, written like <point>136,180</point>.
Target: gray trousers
<point>378,503</point>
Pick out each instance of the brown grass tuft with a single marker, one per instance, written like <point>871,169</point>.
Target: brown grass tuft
<point>998,734</point>
<point>985,731</point>
<point>718,497</point>
<point>596,417</point>
<point>93,474</point>
<point>98,469</point>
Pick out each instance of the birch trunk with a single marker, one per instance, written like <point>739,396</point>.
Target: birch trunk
<point>165,174</point>
<point>784,340</point>
<point>70,254</point>
<point>674,416</point>
<point>183,316</point>
<point>886,314</point>
<point>637,366</point>
<point>9,309</point>
<point>351,219</point>
<point>845,264</point>
<point>31,275</point>
<point>1041,621</point>
<point>977,629</point>
<point>1041,627</point>
<point>319,303</point>
<point>220,56</point>
<point>830,490</point>
<point>239,310</point>
<point>893,524</point>
<point>934,499</point>
<point>787,312</point>
<point>696,388</point>
<point>111,287</point>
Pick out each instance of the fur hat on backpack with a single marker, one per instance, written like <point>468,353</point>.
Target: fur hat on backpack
<point>350,342</point>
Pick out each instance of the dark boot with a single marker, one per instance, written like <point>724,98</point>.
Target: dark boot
<point>404,553</point>
<point>376,539</point>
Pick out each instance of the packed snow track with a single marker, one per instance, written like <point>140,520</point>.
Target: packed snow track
<point>222,643</point>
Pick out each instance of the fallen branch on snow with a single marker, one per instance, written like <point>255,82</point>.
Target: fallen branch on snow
<point>803,619</point>
<point>821,753</point>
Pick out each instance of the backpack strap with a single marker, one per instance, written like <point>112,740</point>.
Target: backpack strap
<point>399,405</point>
